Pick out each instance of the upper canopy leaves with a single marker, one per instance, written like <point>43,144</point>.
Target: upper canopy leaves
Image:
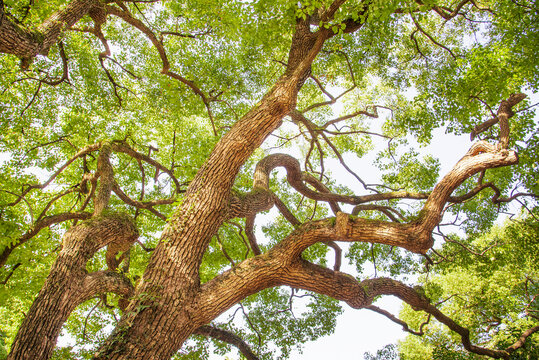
<point>163,81</point>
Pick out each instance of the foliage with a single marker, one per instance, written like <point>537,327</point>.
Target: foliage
<point>491,291</point>
<point>405,73</point>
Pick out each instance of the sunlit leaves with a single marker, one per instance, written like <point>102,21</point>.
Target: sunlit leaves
<point>490,288</point>
<point>406,67</point>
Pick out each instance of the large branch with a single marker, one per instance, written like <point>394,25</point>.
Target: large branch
<point>279,268</point>
<point>102,282</point>
<point>415,236</point>
<point>26,44</point>
<point>68,283</point>
<point>505,112</point>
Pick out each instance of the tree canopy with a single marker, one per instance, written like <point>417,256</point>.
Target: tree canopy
<point>171,176</point>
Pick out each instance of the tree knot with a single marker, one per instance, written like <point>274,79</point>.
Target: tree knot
<point>342,227</point>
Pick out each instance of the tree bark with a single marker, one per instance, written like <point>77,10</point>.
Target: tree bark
<point>164,299</point>
<point>26,44</point>
<point>169,300</point>
<point>69,284</point>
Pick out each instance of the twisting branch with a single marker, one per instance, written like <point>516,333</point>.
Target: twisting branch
<point>395,319</point>
<point>447,13</point>
<point>100,195</point>
<point>504,112</point>
<point>125,15</point>
<point>418,26</point>
<point>229,338</point>
<point>123,147</point>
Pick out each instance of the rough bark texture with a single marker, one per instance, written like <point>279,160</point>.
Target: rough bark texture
<point>27,44</point>
<point>69,284</point>
<point>169,304</point>
<point>170,284</point>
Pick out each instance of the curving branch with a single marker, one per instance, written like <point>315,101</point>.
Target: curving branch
<point>432,39</point>
<point>279,268</point>
<point>480,157</point>
<point>391,213</point>
<point>146,205</point>
<point>11,272</point>
<point>445,12</point>
<point>125,15</point>
<point>504,113</point>
<point>86,150</point>
<point>68,283</point>
<point>39,225</point>
<point>249,231</point>
<point>229,338</point>
<point>396,320</point>
<point>26,44</point>
<point>48,80</point>
<point>121,146</point>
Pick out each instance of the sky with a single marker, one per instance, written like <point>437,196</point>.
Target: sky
<point>360,331</point>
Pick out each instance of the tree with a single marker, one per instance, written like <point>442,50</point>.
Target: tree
<point>487,291</point>
<point>137,140</point>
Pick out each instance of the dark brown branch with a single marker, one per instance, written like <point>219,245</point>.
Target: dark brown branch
<point>20,197</point>
<point>34,97</point>
<point>53,200</point>
<point>430,37</point>
<point>386,210</point>
<point>157,43</point>
<point>249,231</point>
<point>229,338</point>
<point>287,214</point>
<point>492,245</point>
<point>223,250</point>
<point>446,13</point>
<point>146,205</point>
<point>120,146</point>
<point>26,44</point>
<point>189,36</point>
<point>338,255</point>
<point>15,267</point>
<point>88,149</point>
<point>45,221</point>
<point>395,319</point>
<point>373,115</point>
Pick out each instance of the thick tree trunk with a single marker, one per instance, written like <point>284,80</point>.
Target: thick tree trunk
<point>69,284</point>
<point>165,298</point>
